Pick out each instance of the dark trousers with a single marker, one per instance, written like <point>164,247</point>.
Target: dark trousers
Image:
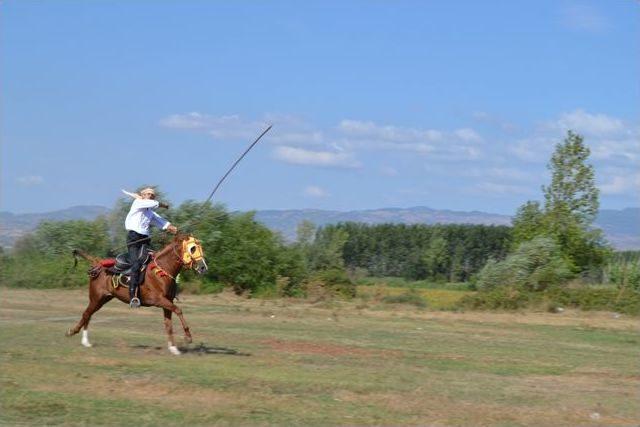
<point>138,246</point>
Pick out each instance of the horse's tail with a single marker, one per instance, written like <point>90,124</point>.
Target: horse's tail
<point>96,267</point>
<point>78,253</point>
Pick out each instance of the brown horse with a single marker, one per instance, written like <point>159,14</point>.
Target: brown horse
<point>158,289</point>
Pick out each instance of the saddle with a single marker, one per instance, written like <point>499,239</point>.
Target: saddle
<point>122,264</point>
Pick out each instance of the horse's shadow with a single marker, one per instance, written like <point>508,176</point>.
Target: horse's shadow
<point>199,349</point>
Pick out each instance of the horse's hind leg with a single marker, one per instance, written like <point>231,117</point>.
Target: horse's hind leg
<point>168,327</point>
<point>94,305</point>
<point>85,329</point>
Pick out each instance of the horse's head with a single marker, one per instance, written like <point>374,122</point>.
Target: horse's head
<point>191,253</point>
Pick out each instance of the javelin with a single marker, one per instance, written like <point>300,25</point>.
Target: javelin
<point>191,222</point>
<point>236,162</point>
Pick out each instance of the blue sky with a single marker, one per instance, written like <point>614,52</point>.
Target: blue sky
<point>447,104</point>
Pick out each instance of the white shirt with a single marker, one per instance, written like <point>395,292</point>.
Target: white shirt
<point>141,216</point>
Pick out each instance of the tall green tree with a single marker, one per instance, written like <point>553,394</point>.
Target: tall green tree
<point>571,204</point>
<point>572,191</point>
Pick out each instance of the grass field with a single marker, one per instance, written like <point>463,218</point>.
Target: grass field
<point>279,362</point>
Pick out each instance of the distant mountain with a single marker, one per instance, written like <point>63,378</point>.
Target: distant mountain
<point>14,226</point>
<point>286,221</point>
<point>621,227</point>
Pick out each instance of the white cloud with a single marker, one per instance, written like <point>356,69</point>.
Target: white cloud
<point>625,150</point>
<point>300,156</point>
<point>610,139</point>
<point>229,127</point>
<point>468,135</point>
<point>617,181</point>
<point>315,191</point>
<point>192,120</point>
<point>586,123</point>
<point>332,146</point>
<point>30,180</point>
<point>607,137</point>
<point>371,130</point>
<point>614,145</point>
<point>419,147</point>
<point>288,130</point>
<point>297,138</point>
<point>461,144</point>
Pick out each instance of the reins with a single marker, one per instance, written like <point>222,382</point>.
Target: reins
<point>162,270</point>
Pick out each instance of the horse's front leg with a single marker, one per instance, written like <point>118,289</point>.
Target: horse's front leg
<point>166,304</point>
<point>168,327</point>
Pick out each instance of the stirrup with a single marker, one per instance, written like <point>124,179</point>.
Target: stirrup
<point>134,303</point>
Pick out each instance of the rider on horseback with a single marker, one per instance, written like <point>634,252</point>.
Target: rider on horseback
<point>139,219</point>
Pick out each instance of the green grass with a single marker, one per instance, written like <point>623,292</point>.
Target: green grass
<point>301,364</point>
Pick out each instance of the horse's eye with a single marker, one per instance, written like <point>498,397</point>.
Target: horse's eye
<point>192,249</point>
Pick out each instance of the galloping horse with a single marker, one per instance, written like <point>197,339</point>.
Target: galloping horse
<point>158,289</point>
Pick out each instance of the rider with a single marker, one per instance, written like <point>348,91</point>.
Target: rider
<point>139,219</point>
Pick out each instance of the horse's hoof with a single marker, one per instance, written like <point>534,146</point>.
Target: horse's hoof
<point>174,350</point>
<point>87,344</point>
<point>68,333</point>
<point>188,339</point>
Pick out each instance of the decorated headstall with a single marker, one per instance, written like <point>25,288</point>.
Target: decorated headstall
<point>191,251</point>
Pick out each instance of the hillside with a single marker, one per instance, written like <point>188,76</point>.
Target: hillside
<point>14,226</point>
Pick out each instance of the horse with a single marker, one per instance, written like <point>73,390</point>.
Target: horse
<point>158,288</point>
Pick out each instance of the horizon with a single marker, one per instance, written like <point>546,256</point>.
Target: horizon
<point>307,209</point>
<point>372,103</point>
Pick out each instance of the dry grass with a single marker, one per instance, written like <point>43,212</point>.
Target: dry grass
<point>326,364</point>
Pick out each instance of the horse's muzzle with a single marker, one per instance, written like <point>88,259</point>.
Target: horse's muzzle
<point>201,266</point>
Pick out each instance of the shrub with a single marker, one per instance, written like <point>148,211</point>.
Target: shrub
<point>584,298</point>
<point>500,298</point>
<point>411,297</point>
<point>623,270</point>
<point>534,266</point>
<point>596,298</point>
<point>35,271</point>
<point>330,283</point>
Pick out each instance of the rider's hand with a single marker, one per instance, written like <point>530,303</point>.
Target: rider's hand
<point>172,229</point>
<point>164,205</point>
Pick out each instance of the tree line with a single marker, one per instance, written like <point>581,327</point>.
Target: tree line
<point>247,256</point>
<point>445,253</point>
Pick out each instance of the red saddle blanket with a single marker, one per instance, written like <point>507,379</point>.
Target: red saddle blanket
<point>108,262</point>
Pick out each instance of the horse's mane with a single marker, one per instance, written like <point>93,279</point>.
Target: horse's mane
<point>179,238</point>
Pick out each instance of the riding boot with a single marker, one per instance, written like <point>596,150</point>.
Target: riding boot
<point>134,302</point>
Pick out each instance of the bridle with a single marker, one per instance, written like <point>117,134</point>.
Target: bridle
<point>191,252</point>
